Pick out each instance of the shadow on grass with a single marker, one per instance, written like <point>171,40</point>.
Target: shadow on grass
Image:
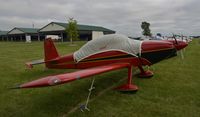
<point>128,92</point>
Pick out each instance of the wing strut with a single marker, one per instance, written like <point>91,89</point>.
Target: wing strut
<point>85,106</point>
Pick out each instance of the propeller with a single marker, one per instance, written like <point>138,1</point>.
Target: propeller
<point>176,42</point>
<point>174,36</point>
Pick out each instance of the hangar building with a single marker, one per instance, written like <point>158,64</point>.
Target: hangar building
<point>86,32</point>
<point>3,35</point>
<point>22,34</point>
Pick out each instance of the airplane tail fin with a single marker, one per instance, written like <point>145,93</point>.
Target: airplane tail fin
<point>50,54</point>
<point>50,51</point>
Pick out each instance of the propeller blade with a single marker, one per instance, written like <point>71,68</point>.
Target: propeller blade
<point>175,39</point>
<point>182,37</point>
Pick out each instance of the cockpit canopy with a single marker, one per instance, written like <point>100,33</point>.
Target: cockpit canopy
<point>108,43</point>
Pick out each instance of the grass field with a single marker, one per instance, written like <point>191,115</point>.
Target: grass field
<point>174,91</point>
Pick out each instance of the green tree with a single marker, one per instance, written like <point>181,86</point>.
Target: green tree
<point>146,30</point>
<point>72,30</point>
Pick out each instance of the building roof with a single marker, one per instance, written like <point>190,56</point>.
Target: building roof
<point>29,30</point>
<point>25,30</point>
<point>3,32</point>
<point>82,27</point>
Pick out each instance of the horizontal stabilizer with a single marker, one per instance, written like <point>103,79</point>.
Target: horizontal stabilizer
<point>35,62</point>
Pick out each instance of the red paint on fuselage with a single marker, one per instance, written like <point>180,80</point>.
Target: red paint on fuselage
<point>154,45</point>
<point>99,59</point>
<point>105,58</point>
<point>63,62</point>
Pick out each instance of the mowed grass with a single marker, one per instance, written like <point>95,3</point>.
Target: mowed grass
<point>174,91</point>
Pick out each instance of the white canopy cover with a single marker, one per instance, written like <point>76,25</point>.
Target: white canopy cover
<point>109,42</point>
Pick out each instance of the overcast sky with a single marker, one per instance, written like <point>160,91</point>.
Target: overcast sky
<point>123,16</point>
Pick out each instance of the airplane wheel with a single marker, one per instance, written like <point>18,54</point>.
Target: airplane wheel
<point>146,74</point>
<point>127,88</point>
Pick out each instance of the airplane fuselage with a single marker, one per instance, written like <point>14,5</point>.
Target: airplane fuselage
<point>151,53</point>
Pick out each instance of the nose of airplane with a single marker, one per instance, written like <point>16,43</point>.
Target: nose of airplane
<point>154,45</point>
<point>155,51</point>
<point>180,45</point>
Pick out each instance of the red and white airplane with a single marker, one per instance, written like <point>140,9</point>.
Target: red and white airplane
<point>104,54</point>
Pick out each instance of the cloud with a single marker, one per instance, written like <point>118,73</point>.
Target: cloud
<point>165,16</point>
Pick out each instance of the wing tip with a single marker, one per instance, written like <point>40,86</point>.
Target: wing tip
<point>16,87</point>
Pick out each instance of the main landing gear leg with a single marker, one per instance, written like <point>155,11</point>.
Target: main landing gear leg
<point>129,87</point>
<point>144,74</point>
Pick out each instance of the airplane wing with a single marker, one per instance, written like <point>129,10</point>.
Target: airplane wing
<point>68,77</point>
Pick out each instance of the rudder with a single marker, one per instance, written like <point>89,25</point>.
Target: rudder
<point>50,51</point>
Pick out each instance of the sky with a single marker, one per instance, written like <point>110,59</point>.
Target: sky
<point>123,16</point>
